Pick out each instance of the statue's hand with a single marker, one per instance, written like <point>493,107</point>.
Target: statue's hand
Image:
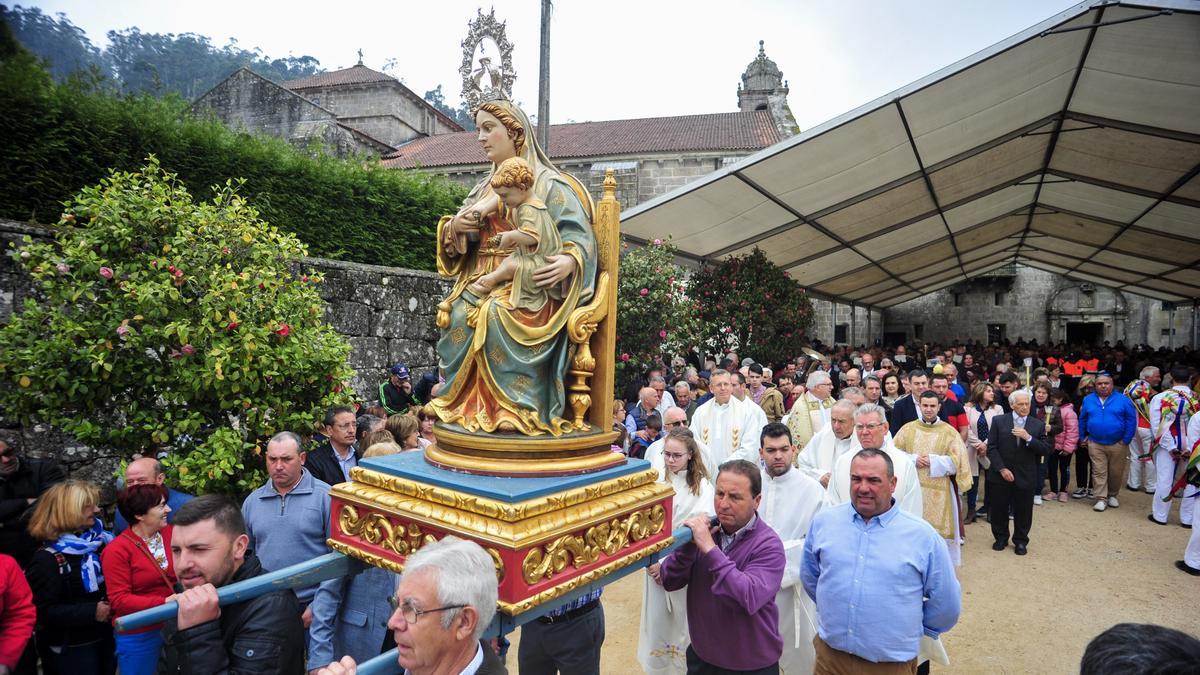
<point>558,269</point>
<point>465,221</point>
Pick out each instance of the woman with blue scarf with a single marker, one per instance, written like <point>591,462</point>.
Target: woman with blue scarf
<point>67,581</point>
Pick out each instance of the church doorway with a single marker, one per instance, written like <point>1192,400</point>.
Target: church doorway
<point>1089,333</point>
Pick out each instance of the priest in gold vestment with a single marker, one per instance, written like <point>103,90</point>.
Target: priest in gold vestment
<point>942,468</point>
<point>810,412</point>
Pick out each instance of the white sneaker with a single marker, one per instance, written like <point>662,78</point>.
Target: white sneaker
<point>1037,500</point>
<point>1112,501</point>
<point>1100,506</point>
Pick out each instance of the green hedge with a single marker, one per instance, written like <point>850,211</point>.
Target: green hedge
<point>60,137</point>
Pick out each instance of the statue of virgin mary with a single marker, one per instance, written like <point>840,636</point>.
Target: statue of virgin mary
<point>504,366</point>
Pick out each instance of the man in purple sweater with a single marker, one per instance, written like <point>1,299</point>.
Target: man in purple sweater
<point>732,572</point>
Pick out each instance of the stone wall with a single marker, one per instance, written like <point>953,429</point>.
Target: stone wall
<point>257,105</point>
<point>383,109</point>
<point>1033,304</point>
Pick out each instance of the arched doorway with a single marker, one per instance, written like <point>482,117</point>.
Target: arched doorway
<point>1087,314</point>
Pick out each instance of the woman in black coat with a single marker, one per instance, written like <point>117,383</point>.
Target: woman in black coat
<point>67,581</point>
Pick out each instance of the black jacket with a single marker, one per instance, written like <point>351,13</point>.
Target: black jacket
<point>262,636</point>
<point>1020,457</point>
<point>66,612</point>
<point>903,412</point>
<point>323,464</point>
<point>31,479</point>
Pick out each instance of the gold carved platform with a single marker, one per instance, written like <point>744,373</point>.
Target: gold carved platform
<point>544,545</point>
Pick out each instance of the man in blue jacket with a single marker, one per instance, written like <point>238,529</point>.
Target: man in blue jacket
<point>1107,421</point>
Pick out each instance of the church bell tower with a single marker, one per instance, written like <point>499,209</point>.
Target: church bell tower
<point>763,88</point>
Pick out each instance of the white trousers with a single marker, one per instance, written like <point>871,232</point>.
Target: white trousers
<point>1137,469</point>
<point>1191,554</point>
<point>1166,468</point>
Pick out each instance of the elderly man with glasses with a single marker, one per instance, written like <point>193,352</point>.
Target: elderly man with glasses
<point>871,427</point>
<point>445,600</point>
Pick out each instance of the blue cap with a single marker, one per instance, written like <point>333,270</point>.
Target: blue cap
<point>400,370</point>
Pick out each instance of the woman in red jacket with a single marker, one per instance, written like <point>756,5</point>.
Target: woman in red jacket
<point>140,575</point>
<point>17,614</point>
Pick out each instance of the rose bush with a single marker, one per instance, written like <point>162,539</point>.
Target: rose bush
<point>169,324</point>
<point>749,304</point>
<point>655,317</point>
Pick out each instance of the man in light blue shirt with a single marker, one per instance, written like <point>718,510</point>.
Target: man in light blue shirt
<point>881,577</point>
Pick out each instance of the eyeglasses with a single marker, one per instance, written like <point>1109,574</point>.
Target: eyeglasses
<point>674,455</point>
<point>412,614</point>
<point>868,427</point>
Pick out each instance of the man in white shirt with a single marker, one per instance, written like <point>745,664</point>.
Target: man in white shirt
<point>871,427</point>
<point>822,452</point>
<point>790,499</point>
<point>726,425</point>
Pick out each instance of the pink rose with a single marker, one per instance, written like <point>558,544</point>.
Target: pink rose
<point>63,268</point>
<point>232,325</point>
<point>178,273</point>
<point>624,357</point>
<point>188,350</point>
<point>644,292</point>
<point>662,333</point>
<point>284,330</point>
<point>176,355</point>
<point>106,272</point>
<point>658,242</point>
<point>122,330</point>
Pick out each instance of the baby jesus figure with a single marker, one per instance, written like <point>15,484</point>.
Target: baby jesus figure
<point>533,239</point>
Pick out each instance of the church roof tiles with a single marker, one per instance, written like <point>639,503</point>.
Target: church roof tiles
<point>687,133</point>
<point>358,74</point>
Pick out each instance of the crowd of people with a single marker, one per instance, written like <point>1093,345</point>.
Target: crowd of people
<point>809,486</point>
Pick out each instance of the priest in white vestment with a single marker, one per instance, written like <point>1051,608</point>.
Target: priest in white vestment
<point>790,499</point>
<point>871,427</point>
<point>817,458</point>
<point>726,425</point>
<point>663,639</point>
<point>676,418</point>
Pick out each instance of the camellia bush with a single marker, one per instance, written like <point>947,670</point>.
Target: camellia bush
<point>749,304</point>
<point>167,324</point>
<point>655,317</point>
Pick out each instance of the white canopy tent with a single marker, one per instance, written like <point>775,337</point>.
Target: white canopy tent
<point>1073,147</point>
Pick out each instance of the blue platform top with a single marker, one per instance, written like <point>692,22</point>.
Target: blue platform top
<point>412,465</point>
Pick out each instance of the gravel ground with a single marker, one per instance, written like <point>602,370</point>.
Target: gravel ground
<point>1035,614</point>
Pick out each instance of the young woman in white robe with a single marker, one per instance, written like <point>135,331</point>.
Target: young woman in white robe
<point>663,639</point>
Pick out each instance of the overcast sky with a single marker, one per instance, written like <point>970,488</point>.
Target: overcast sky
<point>610,59</point>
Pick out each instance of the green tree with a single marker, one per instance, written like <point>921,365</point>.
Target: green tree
<point>188,63</point>
<point>749,304</point>
<point>462,115</point>
<point>655,316</point>
<point>64,46</point>
<point>167,323</point>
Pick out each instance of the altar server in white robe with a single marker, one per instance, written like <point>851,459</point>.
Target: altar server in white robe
<point>663,639</point>
<point>726,425</point>
<point>817,458</point>
<point>790,499</point>
<point>676,418</point>
<point>871,427</point>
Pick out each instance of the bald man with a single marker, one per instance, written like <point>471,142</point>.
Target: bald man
<point>146,471</point>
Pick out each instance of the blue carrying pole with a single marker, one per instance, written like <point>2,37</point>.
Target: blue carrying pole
<point>333,565</point>
<point>387,664</point>
<point>307,573</point>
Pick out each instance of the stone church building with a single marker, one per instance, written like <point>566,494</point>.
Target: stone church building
<point>351,111</point>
